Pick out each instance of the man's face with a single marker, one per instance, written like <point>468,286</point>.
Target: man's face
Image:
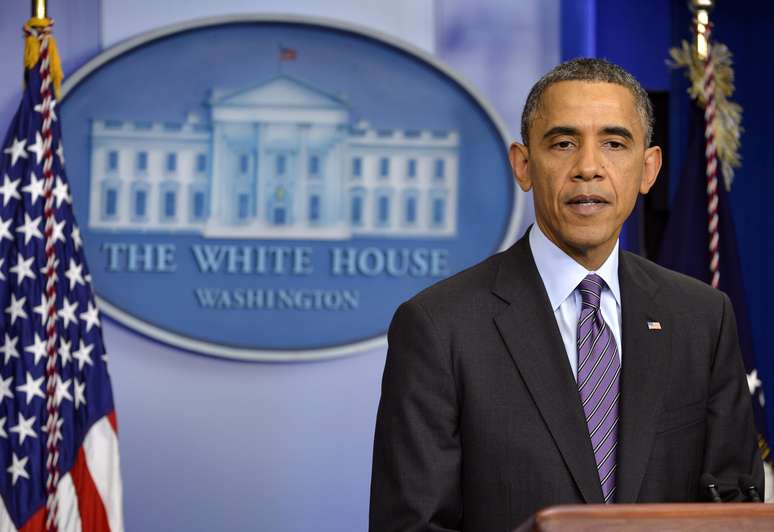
<point>586,163</point>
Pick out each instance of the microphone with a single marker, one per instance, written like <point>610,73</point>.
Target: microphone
<point>710,484</point>
<point>748,488</point>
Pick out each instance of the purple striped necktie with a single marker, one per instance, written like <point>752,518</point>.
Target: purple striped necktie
<point>598,381</point>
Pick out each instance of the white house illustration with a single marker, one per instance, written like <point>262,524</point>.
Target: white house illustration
<point>278,160</point>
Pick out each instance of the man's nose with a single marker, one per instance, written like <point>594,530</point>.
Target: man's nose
<point>588,165</point>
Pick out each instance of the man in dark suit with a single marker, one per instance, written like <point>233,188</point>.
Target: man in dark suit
<point>562,370</point>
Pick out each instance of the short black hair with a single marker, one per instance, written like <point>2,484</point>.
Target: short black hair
<point>590,70</point>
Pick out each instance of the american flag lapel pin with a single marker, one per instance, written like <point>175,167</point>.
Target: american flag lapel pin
<point>654,325</point>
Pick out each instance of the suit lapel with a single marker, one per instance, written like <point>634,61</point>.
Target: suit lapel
<point>645,363</point>
<point>532,337</point>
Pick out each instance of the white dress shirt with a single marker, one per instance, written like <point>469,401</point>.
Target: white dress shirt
<point>561,276</point>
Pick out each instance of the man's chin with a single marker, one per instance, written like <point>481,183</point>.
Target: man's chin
<point>586,244</point>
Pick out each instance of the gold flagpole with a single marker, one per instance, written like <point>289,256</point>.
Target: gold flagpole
<point>38,27</point>
<point>38,8</point>
<point>701,9</point>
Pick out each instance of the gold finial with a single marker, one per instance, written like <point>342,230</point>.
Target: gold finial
<point>39,9</point>
<point>702,9</point>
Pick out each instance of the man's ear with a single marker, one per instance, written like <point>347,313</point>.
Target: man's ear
<point>651,165</point>
<point>519,157</point>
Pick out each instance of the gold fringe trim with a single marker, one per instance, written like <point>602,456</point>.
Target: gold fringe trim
<point>728,114</point>
<point>32,53</point>
<point>763,446</point>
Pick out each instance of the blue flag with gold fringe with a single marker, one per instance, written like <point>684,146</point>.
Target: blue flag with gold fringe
<point>688,242</point>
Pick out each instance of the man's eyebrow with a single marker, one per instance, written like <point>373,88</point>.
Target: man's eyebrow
<point>572,131</point>
<point>561,130</point>
<point>617,130</point>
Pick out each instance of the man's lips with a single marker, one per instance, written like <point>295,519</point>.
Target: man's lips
<point>586,198</point>
<point>586,204</point>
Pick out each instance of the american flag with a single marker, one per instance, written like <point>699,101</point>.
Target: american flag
<point>58,446</point>
<point>287,54</point>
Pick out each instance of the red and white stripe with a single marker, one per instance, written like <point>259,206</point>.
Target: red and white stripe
<point>88,497</point>
<point>710,152</point>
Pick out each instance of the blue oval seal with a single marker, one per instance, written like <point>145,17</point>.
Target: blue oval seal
<point>269,188</point>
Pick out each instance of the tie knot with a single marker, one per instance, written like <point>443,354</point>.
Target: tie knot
<point>591,290</point>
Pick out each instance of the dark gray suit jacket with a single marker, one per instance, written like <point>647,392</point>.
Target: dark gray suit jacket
<point>480,422</point>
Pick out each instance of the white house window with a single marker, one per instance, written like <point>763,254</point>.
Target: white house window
<point>438,211</point>
<point>201,163</point>
<point>314,166</point>
<point>112,160</point>
<point>198,205</point>
<point>439,169</point>
<point>110,199</point>
<point>384,167</point>
<point>314,208</point>
<point>281,164</point>
<point>142,161</point>
<point>410,209</point>
<point>171,162</point>
<point>111,202</point>
<point>357,167</point>
<point>244,163</point>
<point>279,206</point>
<point>169,203</point>
<point>243,207</point>
<point>140,201</point>
<point>356,208</point>
<point>383,210</point>
<point>411,168</point>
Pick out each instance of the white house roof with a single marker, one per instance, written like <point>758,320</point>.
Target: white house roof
<point>282,91</point>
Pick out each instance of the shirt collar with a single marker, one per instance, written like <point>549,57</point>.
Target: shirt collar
<point>560,273</point>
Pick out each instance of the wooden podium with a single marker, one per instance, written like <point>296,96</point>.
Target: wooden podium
<point>704,517</point>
